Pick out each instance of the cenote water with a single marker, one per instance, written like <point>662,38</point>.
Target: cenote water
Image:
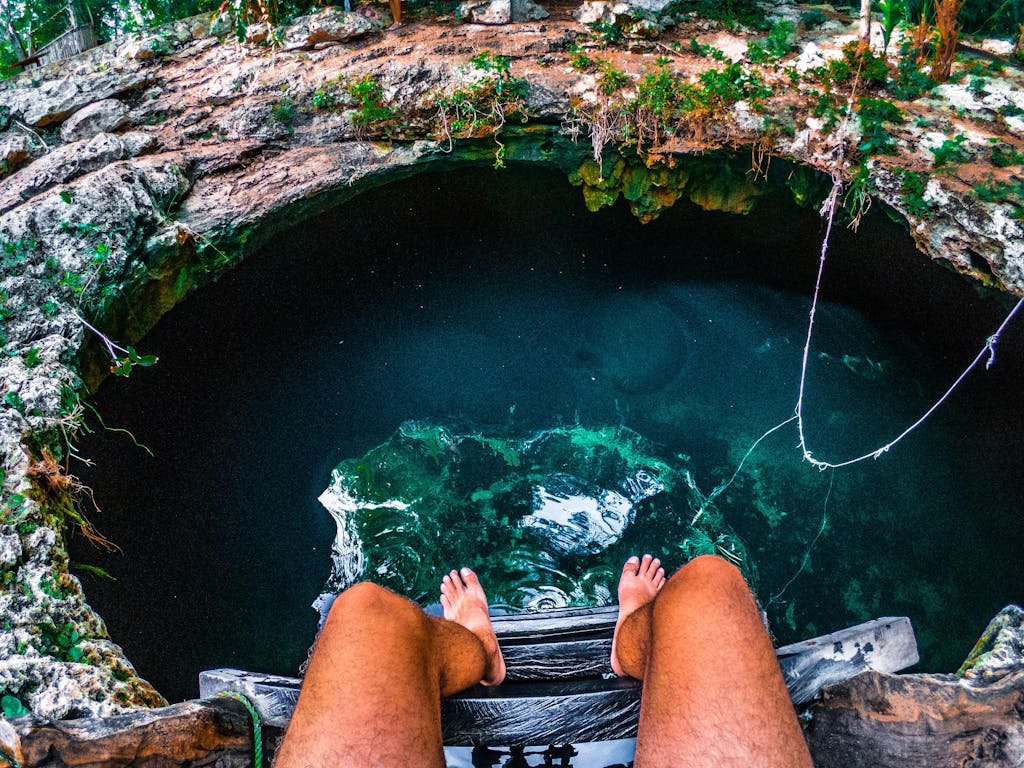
<point>470,368</point>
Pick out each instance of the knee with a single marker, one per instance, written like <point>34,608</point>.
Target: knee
<point>367,599</point>
<point>707,575</point>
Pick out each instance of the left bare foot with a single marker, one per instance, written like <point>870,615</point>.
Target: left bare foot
<point>465,603</point>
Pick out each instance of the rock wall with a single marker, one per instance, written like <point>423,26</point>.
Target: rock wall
<point>145,168</point>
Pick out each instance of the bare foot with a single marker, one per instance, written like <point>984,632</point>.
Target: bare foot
<point>465,603</point>
<point>641,579</point>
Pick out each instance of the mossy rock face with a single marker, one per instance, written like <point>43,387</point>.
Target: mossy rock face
<point>546,519</point>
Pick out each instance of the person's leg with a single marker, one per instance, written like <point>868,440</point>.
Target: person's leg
<point>713,692</point>
<point>396,12</point>
<point>372,692</point>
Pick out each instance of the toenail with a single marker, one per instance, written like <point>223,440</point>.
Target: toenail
<point>633,559</point>
<point>465,571</point>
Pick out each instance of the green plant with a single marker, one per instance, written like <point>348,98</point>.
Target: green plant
<point>857,199</point>
<point>706,51</point>
<point>1004,157</point>
<point>13,399</point>
<point>781,40</point>
<point>874,114</point>
<point>324,99</point>
<point>484,105</point>
<point>283,112</point>
<point>611,79</point>
<point>31,357</point>
<point>13,707</point>
<point>910,82</point>
<point>606,33</point>
<point>893,12</point>
<point>579,60</point>
<point>947,32</point>
<point>950,151</point>
<point>812,18</point>
<point>913,186</point>
<point>67,196</point>
<point>368,96</point>
<point>873,69</point>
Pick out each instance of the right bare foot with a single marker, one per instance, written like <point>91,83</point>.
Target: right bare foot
<point>465,603</point>
<point>640,581</point>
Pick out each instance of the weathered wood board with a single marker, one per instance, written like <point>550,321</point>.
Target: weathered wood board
<point>539,705</point>
<point>216,732</point>
<point>933,721</point>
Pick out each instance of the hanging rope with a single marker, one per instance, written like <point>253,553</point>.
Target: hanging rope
<point>989,350</point>
<point>807,553</point>
<point>257,728</point>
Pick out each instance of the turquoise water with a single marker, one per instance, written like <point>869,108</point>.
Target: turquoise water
<point>481,349</point>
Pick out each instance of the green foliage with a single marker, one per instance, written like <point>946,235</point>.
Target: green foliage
<point>781,40</point>
<point>67,196</point>
<point>283,112</point>
<point>950,151</point>
<point>122,366</point>
<point>873,69</point>
<point>913,186</point>
<point>13,399</point>
<point>324,99</point>
<point>483,106</point>
<point>606,33</point>
<point>579,60</point>
<point>1010,192</point>
<point>50,308</point>
<point>706,51</point>
<point>611,79</point>
<point>32,357</point>
<point>731,13</point>
<point>368,96</point>
<point>874,114</point>
<point>910,82</point>
<point>857,199</point>
<point>1004,157</point>
<point>893,12</point>
<point>812,18</point>
<point>13,707</point>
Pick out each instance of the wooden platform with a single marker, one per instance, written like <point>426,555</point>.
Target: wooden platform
<point>561,690</point>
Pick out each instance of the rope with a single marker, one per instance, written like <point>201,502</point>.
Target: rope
<point>9,759</point>
<point>989,349</point>
<point>257,727</point>
<point>807,553</point>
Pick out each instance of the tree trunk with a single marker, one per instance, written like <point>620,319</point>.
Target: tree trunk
<point>865,22</point>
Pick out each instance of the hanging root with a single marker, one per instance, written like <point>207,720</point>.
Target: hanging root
<point>61,495</point>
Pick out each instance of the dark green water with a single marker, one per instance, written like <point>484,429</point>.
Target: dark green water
<point>494,304</point>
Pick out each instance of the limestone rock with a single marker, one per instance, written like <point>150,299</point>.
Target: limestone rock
<point>627,13</point>
<point>15,149</point>
<point>330,25</point>
<point>500,11</point>
<point>486,11</point>
<point>257,33</point>
<point>61,166</point>
<point>809,58</point>
<point>10,549</point>
<point>99,117</point>
<point>999,651</point>
<point>51,101</point>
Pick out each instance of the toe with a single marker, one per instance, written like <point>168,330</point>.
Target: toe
<point>655,567</point>
<point>470,579</point>
<point>456,581</point>
<point>645,565</point>
<point>629,569</point>
<point>444,602</point>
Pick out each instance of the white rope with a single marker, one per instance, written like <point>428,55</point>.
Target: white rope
<point>807,553</point>
<point>989,349</point>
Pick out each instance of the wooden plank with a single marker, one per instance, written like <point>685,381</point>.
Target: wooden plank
<point>885,645</point>
<point>560,660</point>
<point>193,734</point>
<point>570,711</point>
<point>919,721</point>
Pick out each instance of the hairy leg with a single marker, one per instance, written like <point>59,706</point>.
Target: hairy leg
<point>713,692</point>
<point>372,692</point>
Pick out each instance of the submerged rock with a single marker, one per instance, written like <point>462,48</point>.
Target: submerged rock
<point>546,519</point>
